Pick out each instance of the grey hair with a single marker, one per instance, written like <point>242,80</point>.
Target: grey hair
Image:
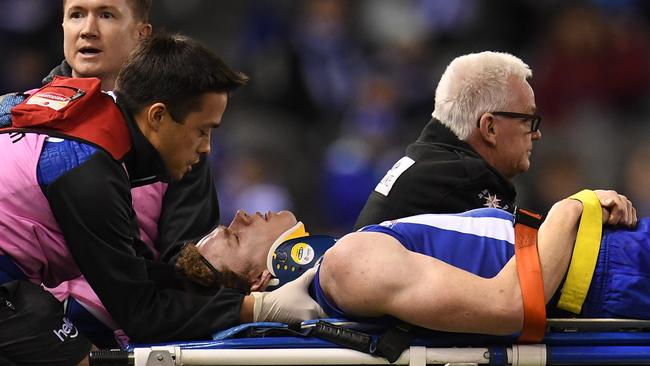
<point>474,84</point>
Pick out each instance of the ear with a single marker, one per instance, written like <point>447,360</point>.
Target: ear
<point>262,281</point>
<point>144,31</point>
<point>488,129</point>
<point>156,113</point>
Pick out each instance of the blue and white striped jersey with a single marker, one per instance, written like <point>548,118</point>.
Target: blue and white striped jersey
<point>480,241</point>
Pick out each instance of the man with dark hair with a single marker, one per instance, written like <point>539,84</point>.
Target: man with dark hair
<point>98,37</point>
<point>71,159</point>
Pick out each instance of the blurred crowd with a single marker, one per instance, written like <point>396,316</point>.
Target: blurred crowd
<point>339,88</point>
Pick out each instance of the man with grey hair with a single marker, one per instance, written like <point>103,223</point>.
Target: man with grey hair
<point>481,136</point>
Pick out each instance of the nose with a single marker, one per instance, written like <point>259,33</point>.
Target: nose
<point>89,29</point>
<point>204,146</point>
<point>241,219</point>
<point>537,135</point>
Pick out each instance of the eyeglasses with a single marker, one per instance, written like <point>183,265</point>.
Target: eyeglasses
<point>535,119</point>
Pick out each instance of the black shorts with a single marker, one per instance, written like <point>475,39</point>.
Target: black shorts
<point>33,330</point>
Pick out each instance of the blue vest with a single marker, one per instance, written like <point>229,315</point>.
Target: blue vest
<point>480,241</point>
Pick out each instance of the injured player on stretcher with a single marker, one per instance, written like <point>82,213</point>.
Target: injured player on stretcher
<point>454,272</point>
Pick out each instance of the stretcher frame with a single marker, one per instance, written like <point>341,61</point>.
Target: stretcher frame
<point>567,342</point>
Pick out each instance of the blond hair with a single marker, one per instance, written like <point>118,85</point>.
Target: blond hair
<point>474,84</point>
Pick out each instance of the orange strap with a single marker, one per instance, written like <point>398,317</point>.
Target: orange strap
<point>530,276</point>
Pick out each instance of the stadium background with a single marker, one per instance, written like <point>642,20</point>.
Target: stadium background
<point>340,87</point>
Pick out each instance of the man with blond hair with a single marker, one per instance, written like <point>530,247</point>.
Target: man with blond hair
<point>481,136</point>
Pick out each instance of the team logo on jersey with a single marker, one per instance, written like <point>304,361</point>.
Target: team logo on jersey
<point>491,200</point>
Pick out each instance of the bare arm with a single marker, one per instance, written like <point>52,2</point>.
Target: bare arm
<point>371,274</point>
<point>246,311</point>
<point>556,238</point>
<point>557,234</point>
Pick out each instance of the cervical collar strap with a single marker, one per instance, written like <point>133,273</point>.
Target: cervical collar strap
<point>289,258</point>
<point>297,231</point>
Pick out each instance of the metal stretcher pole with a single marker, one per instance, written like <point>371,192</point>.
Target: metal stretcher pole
<point>517,355</point>
<point>306,356</point>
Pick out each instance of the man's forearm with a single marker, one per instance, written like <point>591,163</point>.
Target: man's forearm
<point>556,238</point>
<point>246,311</point>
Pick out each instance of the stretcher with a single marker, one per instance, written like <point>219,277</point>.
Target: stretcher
<point>566,342</point>
<point>559,341</point>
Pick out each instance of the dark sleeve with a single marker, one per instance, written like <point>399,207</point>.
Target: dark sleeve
<point>92,205</point>
<point>376,210</point>
<point>190,210</point>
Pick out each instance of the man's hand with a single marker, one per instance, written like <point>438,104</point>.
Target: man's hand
<point>617,209</point>
<point>290,303</point>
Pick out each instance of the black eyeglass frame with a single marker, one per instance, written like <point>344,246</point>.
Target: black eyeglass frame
<point>535,119</point>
